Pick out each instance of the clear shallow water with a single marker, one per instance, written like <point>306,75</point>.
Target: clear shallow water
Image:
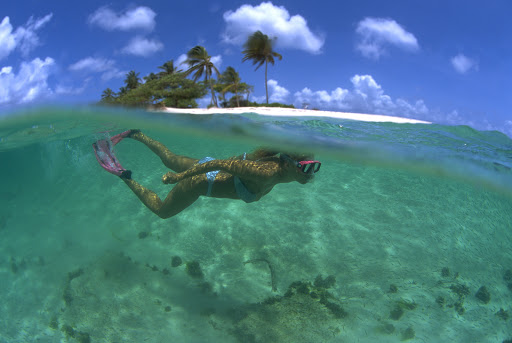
<point>394,204</point>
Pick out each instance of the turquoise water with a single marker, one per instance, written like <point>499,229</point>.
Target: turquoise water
<point>411,220</point>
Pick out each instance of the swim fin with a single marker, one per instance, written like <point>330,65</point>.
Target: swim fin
<point>107,160</point>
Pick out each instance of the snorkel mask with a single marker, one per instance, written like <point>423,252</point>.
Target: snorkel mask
<point>307,167</point>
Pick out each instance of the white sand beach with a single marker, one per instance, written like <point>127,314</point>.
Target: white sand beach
<point>294,112</point>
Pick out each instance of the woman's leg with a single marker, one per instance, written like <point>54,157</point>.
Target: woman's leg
<point>170,160</point>
<point>179,198</point>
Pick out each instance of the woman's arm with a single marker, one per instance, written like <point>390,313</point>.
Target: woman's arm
<point>250,170</point>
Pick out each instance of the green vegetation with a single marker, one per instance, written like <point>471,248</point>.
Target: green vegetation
<point>164,89</point>
<point>170,87</point>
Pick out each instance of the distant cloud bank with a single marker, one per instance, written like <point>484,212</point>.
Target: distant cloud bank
<point>376,34</point>
<point>275,21</point>
<point>366,96</point>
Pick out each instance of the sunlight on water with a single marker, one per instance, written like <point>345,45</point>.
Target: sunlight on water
<point>400,230</point>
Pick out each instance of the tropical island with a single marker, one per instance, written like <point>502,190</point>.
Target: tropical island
<point>172,87</point>
<point>171,90</point>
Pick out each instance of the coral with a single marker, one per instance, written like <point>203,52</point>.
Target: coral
<point>440,300</point>
<point>483,295</point>
<point>74,274</point>
<point>326,283</point>
<point>393,288</point>
<point>508,275</point>
<point>306,288</point>
<point>168,309</point>
<point>396,313</point>
<point>408,334</point>
<point>54,323</point>
<point>387,329</point>
<point>460,289</point>
<point>143,234</point>
<point>336,310</point>
<point>445,272</point>
<point>194,270</point>
<point>81,337</point>
<point>502,314</point>
<point>459,307</point>
<point>399,309</point>
<point>176,261</point>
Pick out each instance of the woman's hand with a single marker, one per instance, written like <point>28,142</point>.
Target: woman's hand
<point>170,178</point>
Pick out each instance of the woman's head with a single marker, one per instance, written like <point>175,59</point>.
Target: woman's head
<point>300,167</point>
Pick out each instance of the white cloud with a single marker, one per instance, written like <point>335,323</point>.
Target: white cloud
<point>24,37</point>
<point>508,128</point>
<point>366,96</point>
<point>29,84</point>
<point>7,40</point>
<point>140,46</point>
<point>376,33</point>
<point>141,17</point>
<point>68,90</point>
<point>92,64</point>
<point>180,61</point>
<point>277,93</point>
<point>98,65</point>
<point>217,61</point>
<point>463,64</point>
<point>274,21</point>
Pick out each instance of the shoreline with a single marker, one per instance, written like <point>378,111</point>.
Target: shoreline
<point>294,112</point>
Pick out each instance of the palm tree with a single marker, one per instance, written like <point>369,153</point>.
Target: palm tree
<point>108,95</point>
<point>199,62</point>
<point>168,68</point>
<point>231,81</point>
<point>258,48</point>
<point>132,80</point>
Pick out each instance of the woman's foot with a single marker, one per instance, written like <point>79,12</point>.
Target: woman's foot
<point>119,137</point>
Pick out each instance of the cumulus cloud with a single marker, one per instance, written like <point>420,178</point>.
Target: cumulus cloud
<point>274,21</point>
<point>140,18</point>
<point>366,96</point>
<point>217,61</point>
<point>377,33</point>
<point>508,128</point>
<point>29,84</point>
<point>141,46</point>
<point>106,67</point>
<point>24,38</point>
<point>277,93</point>
<point>463,64</point>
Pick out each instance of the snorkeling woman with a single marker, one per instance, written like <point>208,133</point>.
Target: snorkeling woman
<point>247,177</point>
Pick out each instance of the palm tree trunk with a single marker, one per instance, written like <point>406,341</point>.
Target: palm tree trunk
<point>214,100</point>
<point>236,94</point>
<point>266,85</point>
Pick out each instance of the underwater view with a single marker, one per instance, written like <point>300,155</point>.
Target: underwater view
<point>404,234</point>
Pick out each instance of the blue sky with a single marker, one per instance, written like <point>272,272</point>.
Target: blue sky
<point>445,61</point>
